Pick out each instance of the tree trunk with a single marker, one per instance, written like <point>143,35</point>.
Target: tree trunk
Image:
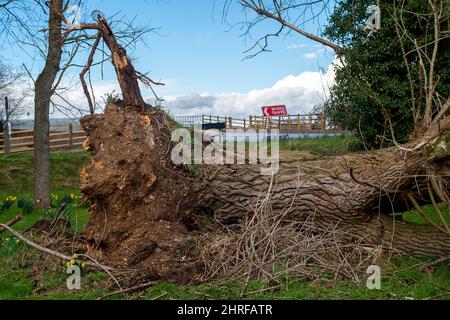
<point>43,93</point>
<point>126,74</point>
<point>357,193</point>
<point>140,197</point>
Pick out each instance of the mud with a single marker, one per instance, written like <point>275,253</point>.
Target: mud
<point>137,218</point>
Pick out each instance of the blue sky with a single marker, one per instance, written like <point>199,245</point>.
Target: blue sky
<point>196,54</point>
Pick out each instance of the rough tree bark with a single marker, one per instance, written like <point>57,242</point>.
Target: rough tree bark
<point>126,74</point>
<point>357,193</point>
<point>43,93</point>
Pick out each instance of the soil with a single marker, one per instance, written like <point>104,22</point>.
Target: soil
<point>137,221</point>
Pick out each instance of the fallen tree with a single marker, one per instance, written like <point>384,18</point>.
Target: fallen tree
<point>133,185</point>
<point>143,206</point>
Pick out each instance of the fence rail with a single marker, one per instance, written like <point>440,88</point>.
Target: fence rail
<point>65,137</point>
<point>60,139</point>
<point>290,123</point>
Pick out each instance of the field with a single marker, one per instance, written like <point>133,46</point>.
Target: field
<point>401,277</point>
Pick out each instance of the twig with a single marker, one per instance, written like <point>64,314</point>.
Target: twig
<point>11,223</point>
<point>48,251</point>
<point>437,210</point>
<point>431,264</point>
<point>103,267</point>
<point>423,214</point>
<point>86,69</point>
<point>141,286</point>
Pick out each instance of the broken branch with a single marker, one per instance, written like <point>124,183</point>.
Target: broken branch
<point>48,251</point>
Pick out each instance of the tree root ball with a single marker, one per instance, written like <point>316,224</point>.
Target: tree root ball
<point>134,192</point>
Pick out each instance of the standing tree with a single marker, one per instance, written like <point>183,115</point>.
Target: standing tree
<point>62,51</point>
<point>381,84</point>
<point>44,89</point>
<point>21,27</point>
<point>10,86</point>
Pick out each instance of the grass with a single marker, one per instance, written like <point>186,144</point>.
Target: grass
<point>401,278</point>
<point>323,145</point>
<point>16,170</point>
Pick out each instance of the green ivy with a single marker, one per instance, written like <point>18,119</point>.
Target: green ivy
<point>373,86</point>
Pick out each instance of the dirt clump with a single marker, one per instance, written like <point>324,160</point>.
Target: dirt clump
<point>137,217</point>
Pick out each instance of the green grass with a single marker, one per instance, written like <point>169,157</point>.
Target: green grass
<point>401,278</point>
<point>16,174</point>
<point>16,170</point>
<point>324,145</point>
<point>415,217</point>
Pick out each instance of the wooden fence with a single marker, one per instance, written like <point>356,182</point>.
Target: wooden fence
<point>60,139</point>
<point>291,123</point>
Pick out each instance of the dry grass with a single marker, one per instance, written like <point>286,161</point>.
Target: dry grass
<point>271,246</point>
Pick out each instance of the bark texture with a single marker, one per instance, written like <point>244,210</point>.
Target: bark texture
<point>126,74</point>
<point>358,193</point>
<point>43,93</point>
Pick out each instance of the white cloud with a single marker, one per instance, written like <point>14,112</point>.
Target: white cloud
<point>310,55</point>
<point>297,46</point>
<point>299,92</point>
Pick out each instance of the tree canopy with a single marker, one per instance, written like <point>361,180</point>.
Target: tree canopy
<point>384,78</point>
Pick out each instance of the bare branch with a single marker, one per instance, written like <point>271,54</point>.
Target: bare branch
<point>86,68</point>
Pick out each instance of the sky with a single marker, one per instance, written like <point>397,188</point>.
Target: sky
<point>201,60</point>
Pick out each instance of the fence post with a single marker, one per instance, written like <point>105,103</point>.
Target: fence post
<point>7,130</point>
<point>289,122</point>
<point>245,124</point>
<point>230,122</point>
<point>70,135</point>
<point>324,123</point>
<point>298,122</point>
<point>251,121</point>
<point>310,121</point>
<point>6,141</point>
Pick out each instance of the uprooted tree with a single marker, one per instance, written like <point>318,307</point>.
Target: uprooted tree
<point>143,206</point>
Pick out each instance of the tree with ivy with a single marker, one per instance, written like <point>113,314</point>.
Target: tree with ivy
<point>380,84</point>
